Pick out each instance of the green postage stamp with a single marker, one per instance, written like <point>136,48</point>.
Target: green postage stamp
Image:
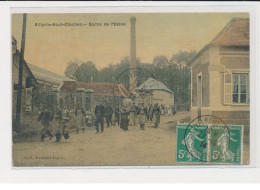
<point>209,143</point>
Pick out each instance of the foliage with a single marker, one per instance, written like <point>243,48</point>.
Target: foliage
<point>86,72</point>
<point>174,73</point>
<point>71,69</point>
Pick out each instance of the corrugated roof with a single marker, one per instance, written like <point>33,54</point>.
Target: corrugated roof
<point>152,84</point>
<point>99,88</point>
<point>235,33</point>
<point>47,76</point>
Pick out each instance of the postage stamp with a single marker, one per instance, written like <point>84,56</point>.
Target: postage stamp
<point>192,144</point>
<point>130,89</point>
<point>212,143</point>
<point>228,144</point>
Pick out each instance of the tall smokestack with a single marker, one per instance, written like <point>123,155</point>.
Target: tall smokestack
<point>133,80</point>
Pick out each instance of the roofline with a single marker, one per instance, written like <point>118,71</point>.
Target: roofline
<point>140,90</point>
<point>25,63</point>
<point>228,25</point>
<point>50,73</point>
<point>224,29</point>
<point>217,36</point>
<point>167,89</point>
<point>123,90</point>
<point>200,52</point>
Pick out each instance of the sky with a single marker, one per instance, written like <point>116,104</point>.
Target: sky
<point>53,47</point>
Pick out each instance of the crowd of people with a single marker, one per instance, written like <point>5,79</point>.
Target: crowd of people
<point>124,116</point>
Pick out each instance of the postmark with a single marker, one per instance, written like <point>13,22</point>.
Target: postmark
<point>207,139</point>
<point>143,90</point>
<point>228,148</point>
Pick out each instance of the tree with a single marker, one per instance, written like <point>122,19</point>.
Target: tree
<point>87,72</point>
<point>107,74</point>
<point>71,69</point>
<point>161,69</point>
<point>180,64</point>
<point>183,58</point>
<point>175,74</point>
<point>160,61</point>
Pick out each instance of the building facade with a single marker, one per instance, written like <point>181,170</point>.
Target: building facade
<point>153,91</point>
<point>220,76</point>
<point>29,82</point>
<point>39,87</point>
<point>48,84</point>
<point>88,94</point>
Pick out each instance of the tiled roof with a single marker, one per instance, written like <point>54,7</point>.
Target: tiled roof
<point>152,84</point>
<point>99,88</point>
<point>235,33</point>
<point>47,76</point>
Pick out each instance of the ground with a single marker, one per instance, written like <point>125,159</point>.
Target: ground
<point>153,146</point>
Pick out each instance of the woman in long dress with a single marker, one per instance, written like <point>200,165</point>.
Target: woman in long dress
<point>124,119</point>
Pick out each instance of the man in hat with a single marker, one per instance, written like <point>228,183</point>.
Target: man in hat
<point>132,111</point>
<point>45,117</point>
<point>100,113</point>
<point>117,114</point>
<point>108,114</point>
<point>142,113</point>
<point>62,117</point>
<point>156,115</point>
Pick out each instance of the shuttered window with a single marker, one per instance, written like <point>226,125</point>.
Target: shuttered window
<point>227,88</point>
<point>236,88</point>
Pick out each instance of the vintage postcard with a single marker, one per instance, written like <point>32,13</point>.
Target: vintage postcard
<point>130,89</point>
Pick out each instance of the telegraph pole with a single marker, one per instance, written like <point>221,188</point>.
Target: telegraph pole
<point>133,77</point>
<point>20,79</point>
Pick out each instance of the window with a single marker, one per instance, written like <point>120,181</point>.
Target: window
<point>236,88</point>
<point>240,86</point>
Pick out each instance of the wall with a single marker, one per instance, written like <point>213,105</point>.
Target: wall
<point>156,96</point>
<point>201,66</point>
<point>15,77</point>
<point>212,68</point>
<point>163,97</point>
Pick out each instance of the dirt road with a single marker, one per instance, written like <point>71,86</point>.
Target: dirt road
<point>153,146</point>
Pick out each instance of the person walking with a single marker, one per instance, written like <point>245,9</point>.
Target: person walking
<point>45,117</point>
<point>108,114</point>
<point>142,113</point>
<point>100,113</point>
<point>89,118</point>
<point>149,112</point>
<point>62,118</point>
<point>117,115</point>
<point>173,110</point>
<point>156,114</point>
<point>80,117</point>
<point>132,111</point>
<point>65,118</point>
<point>124,118</point>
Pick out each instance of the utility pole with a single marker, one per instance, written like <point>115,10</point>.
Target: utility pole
<point>20,79</point>
<point>133,76</point>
